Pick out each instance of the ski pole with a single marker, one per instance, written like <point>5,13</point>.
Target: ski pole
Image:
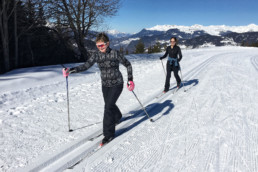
<point>68,109</point>
<point>151,120</point>
<point>182,78</point>
<point>163,68</point>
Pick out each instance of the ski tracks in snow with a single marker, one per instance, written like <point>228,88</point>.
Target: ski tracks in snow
<point>254,61</point>
<point>160,146</point>
<point>211,128</point>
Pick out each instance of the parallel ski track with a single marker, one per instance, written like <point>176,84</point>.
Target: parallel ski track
<point>252,137</point>
<point>254,61</point>
<point>190,75</point>
<point>157,153</point>
<point>190,153</point>
<point>59,162</point>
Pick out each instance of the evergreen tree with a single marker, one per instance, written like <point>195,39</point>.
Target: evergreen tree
<point>139,48</point>
<point>150,50</point>
<point>243,43</point>
<point>165,46</point>
<point>121,50</point>
<point>156,48</point>
<point>255,44</point>
<point>26,41</point>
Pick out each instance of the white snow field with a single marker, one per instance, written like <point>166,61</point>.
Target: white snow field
<point>210,124</point>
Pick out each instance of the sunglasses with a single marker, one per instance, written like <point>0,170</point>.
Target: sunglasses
<point>100,45</point>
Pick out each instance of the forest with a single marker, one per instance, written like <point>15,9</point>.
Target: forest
<point>48,32</point>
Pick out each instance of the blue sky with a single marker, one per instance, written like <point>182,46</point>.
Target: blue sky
<point>135,15</point>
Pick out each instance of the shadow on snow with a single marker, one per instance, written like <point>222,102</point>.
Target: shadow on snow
<point>156,108</point>
<point>159,107</point>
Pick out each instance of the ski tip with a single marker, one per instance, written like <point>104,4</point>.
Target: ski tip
<point>102,144</point>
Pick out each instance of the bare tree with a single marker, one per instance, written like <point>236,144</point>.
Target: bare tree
<point>4,7</point>
<point>7,9</point>
<point>34,15</point>
<point>16,61</point>
<point>81,15</point>
<point>34,11</point>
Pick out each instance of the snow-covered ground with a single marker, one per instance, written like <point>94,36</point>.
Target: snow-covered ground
<point>213,126</point>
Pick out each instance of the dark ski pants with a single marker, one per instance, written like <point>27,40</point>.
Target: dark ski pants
<point>175,69</point>
<point>112,114</point>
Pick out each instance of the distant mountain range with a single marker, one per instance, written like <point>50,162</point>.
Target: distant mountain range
<point>116,34</point>
<point>189,36</point>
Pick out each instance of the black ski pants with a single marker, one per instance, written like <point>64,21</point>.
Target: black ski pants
<point>175,69</point>
<point>112,114</point>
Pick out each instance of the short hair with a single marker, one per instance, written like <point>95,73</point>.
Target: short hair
<point>102,37</point>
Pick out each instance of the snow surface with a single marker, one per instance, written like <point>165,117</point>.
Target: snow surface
<point>126,42</point>
<point>229,41</point>
<point>118,34</point>
<point>114,32</point>
<point>213,126</point>
<point>212,29</point>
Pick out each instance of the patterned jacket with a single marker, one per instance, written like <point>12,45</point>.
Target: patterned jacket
<point>108,64</point>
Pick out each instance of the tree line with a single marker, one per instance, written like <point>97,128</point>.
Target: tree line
<point>249,44</point>
<point>156,48</point>
<point>45,32</point>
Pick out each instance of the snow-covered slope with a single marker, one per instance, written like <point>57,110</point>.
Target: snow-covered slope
<point>212,126</point>
<point>212,29</point>
<point>117,34</point>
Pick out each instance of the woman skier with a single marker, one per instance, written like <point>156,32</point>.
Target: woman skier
<point>112,81</point>
<point>174,52</point>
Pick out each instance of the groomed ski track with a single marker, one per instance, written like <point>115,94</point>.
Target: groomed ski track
<point>202,130</point>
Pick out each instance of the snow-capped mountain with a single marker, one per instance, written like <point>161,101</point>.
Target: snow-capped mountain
<point>190,36</point>
<point>212,29</point>
<point>117,34</point>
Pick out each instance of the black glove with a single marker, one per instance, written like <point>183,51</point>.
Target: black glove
<point>72,70</point>
<point>161,58</point>
<point>130,78</point>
